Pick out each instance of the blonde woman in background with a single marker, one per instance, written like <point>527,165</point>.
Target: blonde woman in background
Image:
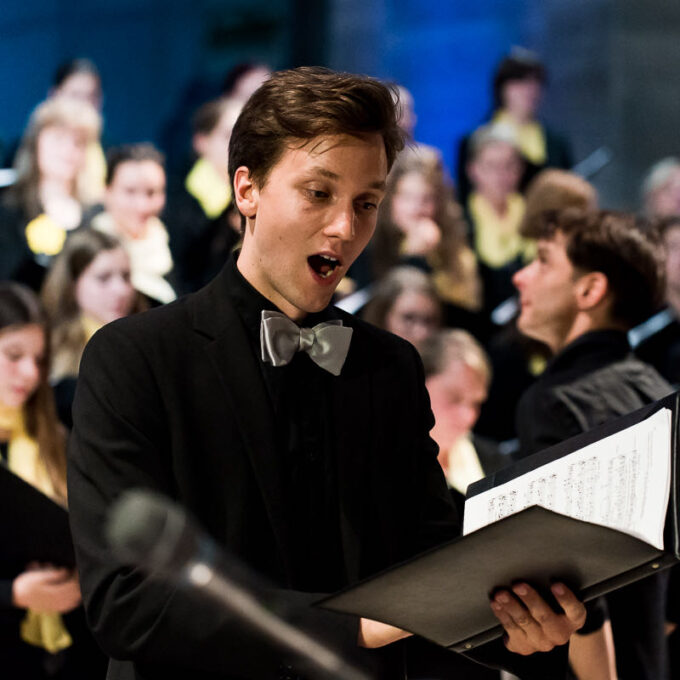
<point>50,194</point>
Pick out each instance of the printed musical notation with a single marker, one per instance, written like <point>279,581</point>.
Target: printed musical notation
<point>621,481</point>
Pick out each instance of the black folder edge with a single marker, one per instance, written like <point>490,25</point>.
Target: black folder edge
<point>655,561</point>
<point>660,561</point>
<point>43,513</point>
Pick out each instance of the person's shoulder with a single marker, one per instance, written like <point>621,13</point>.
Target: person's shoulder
<point>612,390</point>
<point>163,325</point>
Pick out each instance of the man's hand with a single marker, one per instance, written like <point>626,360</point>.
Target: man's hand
<point>533,626</point>
<point>422,237</point>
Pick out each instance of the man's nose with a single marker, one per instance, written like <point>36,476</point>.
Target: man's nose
<point>342,223</point>
<point>519,277</point>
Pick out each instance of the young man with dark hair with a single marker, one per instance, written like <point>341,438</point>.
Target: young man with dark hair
<point>595,276</point>
<point>293,460</point>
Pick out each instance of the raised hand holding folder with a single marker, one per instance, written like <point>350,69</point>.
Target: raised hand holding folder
<point>443,594</point>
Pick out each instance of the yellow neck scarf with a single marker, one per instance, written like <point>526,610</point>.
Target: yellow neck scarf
<point>90,326</point>
<point>496,237</point>
<point>530,137</point>
<point>42,629</point>
<point>211,190</point>
<point>45,236</point>
<point>463,466</point>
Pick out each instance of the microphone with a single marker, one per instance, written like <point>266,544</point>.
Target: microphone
<point>147,530</point>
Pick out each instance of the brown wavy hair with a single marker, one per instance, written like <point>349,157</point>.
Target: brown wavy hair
<point>308,102</point>
<point>24,193</point>
<point>388,237</point>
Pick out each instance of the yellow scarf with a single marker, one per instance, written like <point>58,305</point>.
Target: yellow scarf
<point>90,326</point>
<point>42,629</point>
<point>45,236</point>
<point>463,466</point>
<point>497,239</point>
<point>206,185</point>
<point>530,137</point>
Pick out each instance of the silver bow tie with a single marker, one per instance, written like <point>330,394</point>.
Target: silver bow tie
<point>327,343</point>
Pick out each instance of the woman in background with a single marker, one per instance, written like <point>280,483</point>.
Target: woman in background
<point>87,286</point>
<point>405,303</point>
<point>133,202</point>
<point>51,191</point>
<point>37,638</point>
<point>518,86</point>
<point>202,220</point>
<point>79,80</point>
<point>420,223</point>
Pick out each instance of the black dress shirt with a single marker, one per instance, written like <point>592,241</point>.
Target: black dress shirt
<point>305,442</point>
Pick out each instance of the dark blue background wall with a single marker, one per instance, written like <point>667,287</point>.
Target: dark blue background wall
<point>614,65</point>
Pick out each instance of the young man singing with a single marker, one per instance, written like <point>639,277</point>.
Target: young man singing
<point>314,467</point>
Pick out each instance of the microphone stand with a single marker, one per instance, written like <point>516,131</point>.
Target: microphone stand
<point>234,597</point>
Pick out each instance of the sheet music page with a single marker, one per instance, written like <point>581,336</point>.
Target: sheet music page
<point>621,481</point>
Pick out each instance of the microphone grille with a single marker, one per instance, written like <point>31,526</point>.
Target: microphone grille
<point>146,529</point>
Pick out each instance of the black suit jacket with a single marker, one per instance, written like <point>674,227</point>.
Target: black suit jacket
<point>174,400</point>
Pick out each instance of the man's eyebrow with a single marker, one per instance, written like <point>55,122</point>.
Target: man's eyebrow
<point>380,185</point>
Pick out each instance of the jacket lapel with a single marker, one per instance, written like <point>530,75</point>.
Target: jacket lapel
<point>236,365</point>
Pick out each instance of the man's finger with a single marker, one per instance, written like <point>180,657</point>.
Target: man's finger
<point>573,608</point>
<point>515,638</point>
<point>551,626</point>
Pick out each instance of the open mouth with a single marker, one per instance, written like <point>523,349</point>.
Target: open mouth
<point>323,265</point>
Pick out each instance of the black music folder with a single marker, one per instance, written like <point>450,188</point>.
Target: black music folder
<point>33,527</point>
<point>443,594</point>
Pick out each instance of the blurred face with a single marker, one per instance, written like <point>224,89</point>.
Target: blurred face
<point>61,153</point>
<point>665,201</point>
<point>414,199</point>
<point>214,146</point>
<point>311,219</point>
<point>136,194</point>
<point>496,171</point>
<point>547,289</point>
<point>103,291</point>
<point>22,351</point>
<point>81,87</point>
<point>521,98</point>
<point>413,316</point>
<point>672,247</point>
<point>456,396</point>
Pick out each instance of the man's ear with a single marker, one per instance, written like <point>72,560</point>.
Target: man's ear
<point>591,290</point>
<point>246,193</point>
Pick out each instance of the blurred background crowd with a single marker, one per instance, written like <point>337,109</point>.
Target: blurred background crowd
<point>113,201</point>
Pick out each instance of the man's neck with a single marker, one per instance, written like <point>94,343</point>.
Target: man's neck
<point>582,325</point>
<point>282,305</point>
